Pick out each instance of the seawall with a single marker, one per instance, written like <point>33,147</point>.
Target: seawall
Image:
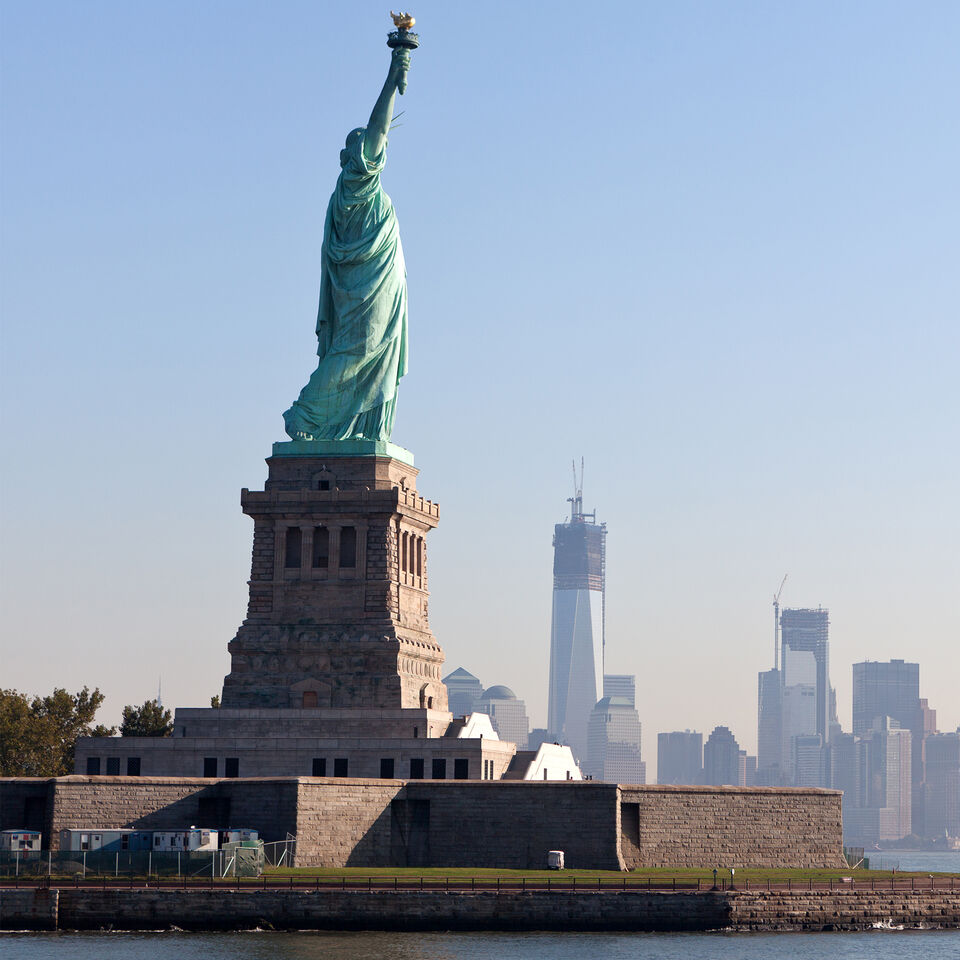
<point>152,909</point>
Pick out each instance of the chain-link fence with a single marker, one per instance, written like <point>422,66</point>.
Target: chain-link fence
<point>280,853</point>
<point>244,859</point>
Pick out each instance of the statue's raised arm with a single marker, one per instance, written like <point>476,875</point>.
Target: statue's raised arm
<point>379,122</point>
<point>362,318</point>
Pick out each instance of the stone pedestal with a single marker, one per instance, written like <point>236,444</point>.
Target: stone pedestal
<point>337,615</point>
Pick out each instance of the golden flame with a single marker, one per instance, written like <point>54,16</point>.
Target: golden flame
<point>402,21</point>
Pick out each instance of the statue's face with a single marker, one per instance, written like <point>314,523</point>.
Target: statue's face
<point>351,145</point>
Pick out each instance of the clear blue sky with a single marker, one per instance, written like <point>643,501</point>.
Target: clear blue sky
<point>711,247</point>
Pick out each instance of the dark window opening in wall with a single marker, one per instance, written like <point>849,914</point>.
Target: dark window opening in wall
<point>323,485</point>
<point>348,547</point>
<point>416,732</point>
<point>231,767</point>
<point>93,766</point>
<point>319,766</point>
<point>461,768</point>
<point>439,769</point>
<point>309,699</point>
<point>209,766</point>
<point>403,554</point>
<point>294,544</point>
<point>213,810</point>
<point>340,767</point>
<point>416,768</point>
<point>34,812</point>
<point>133,766</point>
<point>124,841</point>
<point>411,564</point>
<point>113,766</point>
<point>419,556</point>
<point>386,768</point>
<point>321,548</point>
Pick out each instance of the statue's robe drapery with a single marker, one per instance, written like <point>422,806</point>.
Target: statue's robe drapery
<point>362,320</point>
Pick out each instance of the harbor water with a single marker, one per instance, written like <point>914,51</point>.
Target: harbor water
<point>936,861</point>
<point>881,944</point>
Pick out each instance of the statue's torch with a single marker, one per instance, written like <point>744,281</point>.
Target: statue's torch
<point>402,37</point>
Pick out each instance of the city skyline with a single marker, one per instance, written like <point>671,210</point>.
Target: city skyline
<point>763,382</point>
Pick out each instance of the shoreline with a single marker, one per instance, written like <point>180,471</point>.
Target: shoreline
<point>142,909</point>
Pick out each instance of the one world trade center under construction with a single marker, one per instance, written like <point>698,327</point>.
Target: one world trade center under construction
<point>577,632</point>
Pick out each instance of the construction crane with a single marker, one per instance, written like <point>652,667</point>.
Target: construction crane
<point>776,624</point>
<point>576,501</point>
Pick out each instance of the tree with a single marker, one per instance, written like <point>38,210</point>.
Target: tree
<point>148,720</point>
<point>215,701</point>
<point>38,736</point>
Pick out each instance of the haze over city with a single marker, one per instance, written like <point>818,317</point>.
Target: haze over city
<point>712,251</point>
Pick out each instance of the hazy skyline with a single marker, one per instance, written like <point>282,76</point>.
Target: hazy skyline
<point>711,249</point>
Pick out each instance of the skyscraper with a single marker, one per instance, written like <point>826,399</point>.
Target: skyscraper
<point>804,687</point>
<point>463,691</point>
<point>843,773</point>
<point>884,802</point>
<point>680,757</point>
<point>769,732</point>
<point>577,630</point>
<point>892,690</point>
<point>613,743</point>
<point>886,690</point>
<point>721,758</point>
<point>621,685</point>
<point>943,785</point>
<point>507,713</point>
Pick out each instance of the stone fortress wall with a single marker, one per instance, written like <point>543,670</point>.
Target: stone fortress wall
<point>507,824</point>
<point>677,826</point>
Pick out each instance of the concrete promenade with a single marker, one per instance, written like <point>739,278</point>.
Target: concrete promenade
<point>306,907</point>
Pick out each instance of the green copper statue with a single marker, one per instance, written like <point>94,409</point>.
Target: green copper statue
<point>362,320</point>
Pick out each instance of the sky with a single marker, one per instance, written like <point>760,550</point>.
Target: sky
<point>710,248</point>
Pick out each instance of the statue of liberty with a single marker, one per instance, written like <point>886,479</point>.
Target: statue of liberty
<point>362,320</point>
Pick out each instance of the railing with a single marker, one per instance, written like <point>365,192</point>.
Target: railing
<point>488,884</point>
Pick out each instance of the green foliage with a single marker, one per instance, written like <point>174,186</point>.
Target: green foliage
<point>148,720</point>
<point>215,702</point>
<point>38,736</point>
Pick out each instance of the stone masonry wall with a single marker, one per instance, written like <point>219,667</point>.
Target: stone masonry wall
<point>452,823</point>
<point>843,909</point>
<point>344,823</point>
<point>123,908</point>
<point>158,803</point>
<point>513,824</point>
<point>374,823</point>
<point>664,826</point>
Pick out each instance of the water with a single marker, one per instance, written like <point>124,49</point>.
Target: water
<point>944,861</point>
<point>876,945</point>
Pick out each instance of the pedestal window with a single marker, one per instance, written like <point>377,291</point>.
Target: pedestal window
<point>292,548</point>
<point>348,547</point>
